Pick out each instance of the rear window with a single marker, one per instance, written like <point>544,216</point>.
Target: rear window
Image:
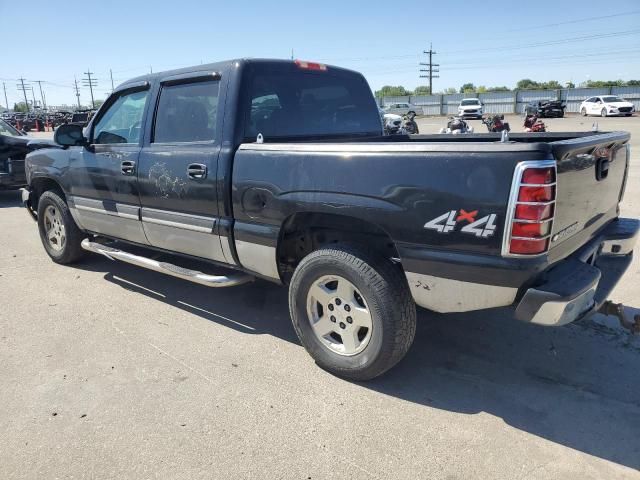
<point>289,102</point>
<point>187,113</point>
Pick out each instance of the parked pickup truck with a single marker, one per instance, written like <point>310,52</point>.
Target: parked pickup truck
<point>280,170</point>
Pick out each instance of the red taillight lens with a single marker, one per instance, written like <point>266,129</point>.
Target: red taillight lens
<point>536,194</point>
<point>539,176</point>
<point>532,230</point>
<point>534,212</point>
<point>528,247</point>
<point>310,65</point>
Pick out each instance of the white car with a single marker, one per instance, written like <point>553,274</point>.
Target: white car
<point>470,108</point>
<point>400,108</point>
<point>606,105</point>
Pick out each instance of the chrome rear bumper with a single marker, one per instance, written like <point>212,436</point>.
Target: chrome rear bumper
<point>574,289</point>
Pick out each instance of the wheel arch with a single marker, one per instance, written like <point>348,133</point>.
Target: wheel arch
<point>304,232</point>
<point>39,185</point>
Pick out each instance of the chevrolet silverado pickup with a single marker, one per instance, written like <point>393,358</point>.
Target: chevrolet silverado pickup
<point>280,170</point>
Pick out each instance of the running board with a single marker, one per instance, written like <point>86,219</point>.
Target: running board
<point>168,268</point>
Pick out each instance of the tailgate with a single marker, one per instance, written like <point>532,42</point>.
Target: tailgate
<point>592,173</point>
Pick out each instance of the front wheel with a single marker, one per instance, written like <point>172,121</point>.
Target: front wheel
<point>59,233</point>
<point>583,112</point>
<point>603,113</point>
<point>352,311</point>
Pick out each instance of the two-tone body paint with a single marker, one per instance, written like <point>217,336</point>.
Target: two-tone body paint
<point>235,215</point>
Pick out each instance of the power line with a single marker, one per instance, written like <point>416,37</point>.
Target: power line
<point>430,70</point>
<point>550,42</point>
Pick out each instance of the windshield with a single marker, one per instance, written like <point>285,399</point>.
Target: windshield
<point>470,102</point>
<point>286,101</point>
<point>611,99</point>
<point>6,129</point>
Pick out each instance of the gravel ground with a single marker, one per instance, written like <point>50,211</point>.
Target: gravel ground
<point>111,371</point>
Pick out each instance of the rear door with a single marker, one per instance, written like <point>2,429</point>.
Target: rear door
<point>177,172</point>
<point>104,186</point>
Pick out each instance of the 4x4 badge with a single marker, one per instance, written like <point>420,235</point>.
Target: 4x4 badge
<point>447,222</point>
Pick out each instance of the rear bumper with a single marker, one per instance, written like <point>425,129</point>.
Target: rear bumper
<point>448,282</point>
<point>580,284</point>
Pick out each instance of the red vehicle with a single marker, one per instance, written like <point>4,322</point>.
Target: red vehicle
<point>532,124</point>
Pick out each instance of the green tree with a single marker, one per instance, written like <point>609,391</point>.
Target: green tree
<point>391,91</point>
<point>450,90</point>
<point>20,107</point>
<point>633,83</point>
<point>498,89</point>
<point>422,90</point>
<point>482,89</point>
<point>552,85</point>
<point>467,88</point>
<point>527,83</point>
<point>570,85</point>
<point>98,103</point>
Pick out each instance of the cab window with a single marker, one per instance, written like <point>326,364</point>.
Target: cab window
<point>121,123</point>
<point>187,112</point>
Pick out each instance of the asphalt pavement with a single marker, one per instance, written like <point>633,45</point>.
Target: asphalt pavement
<point>112,371</point>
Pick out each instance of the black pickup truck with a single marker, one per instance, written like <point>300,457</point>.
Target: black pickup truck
<point>280,170</point>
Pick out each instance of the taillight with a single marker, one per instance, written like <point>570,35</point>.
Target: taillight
<point>531,209</point>
<point>310,65</point>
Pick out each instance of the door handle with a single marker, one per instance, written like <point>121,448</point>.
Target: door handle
<point>197,170</point>
<point>128,167</point>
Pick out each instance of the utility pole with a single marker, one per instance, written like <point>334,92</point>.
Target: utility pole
<point>33,95</point>
<point>4,87</point>
<point>24,88</point>
<point>44,104</point>
<point>90,82</point>
<point>111,75</point>
<point>75,80</point>
<point>150,69</point>
<point>292,54</point>
<point>430,70</point>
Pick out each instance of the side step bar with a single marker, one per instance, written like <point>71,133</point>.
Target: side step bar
<point>168,268</point>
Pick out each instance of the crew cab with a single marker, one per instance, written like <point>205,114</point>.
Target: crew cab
<point>279,170</point>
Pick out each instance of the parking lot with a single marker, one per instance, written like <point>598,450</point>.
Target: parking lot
<point>110,370</point>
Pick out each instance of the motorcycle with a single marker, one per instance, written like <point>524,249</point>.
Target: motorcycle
<point>393,124</point>
<point>532,124</point>
<point>496,123</point>
<point>456,126</point>
<point>409,124</point>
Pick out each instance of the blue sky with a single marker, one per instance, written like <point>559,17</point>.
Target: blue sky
<point>384,40</point>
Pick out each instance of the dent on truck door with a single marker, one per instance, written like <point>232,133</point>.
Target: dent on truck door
<point>104,190</point>
<point>177,174</point>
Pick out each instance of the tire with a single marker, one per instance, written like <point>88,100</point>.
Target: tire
<point>55,220</point>
<point>603,112</point>
<point>411,112</point>
<point>376,291</point>
<point>583,112</point>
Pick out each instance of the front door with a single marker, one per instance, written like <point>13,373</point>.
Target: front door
<point>177,168</point>
<point>104,190</point>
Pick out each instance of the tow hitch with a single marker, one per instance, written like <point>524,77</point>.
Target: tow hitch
<point>617,309</point>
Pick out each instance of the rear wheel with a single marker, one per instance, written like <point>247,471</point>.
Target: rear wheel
<point>59,233</point>
<point>603,112</point>
<point>352,311</point>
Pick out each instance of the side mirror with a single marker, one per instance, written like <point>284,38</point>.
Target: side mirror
<point>69,136</point>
